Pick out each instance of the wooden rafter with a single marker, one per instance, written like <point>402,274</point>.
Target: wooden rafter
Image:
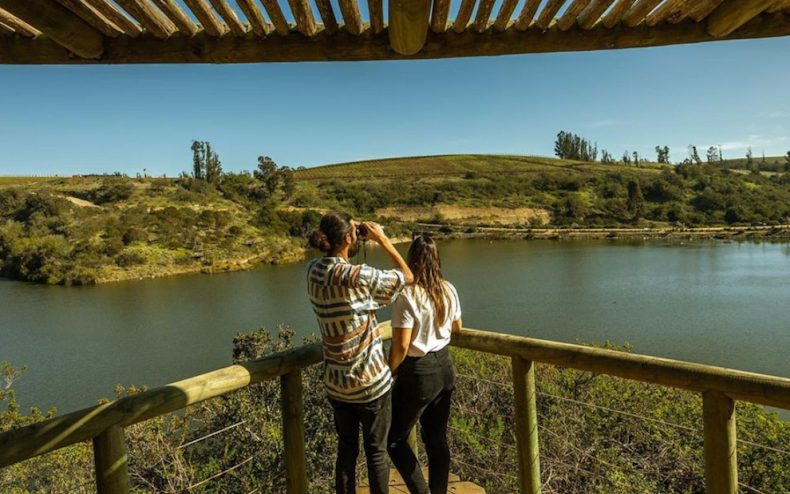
<point>592,14</point>
<point>254,16</point>
<point>670,8</point>
<point>92,17</point>
<point>14,23</point>
<point>639,12</point>
<point>229,16</point>
<point>206,16</point>
<point>615,15</point>
<point>60,24</point>
<point>505,14</point>
<point>327,15</point>
<point>784,5</point>
<point>349,9</point>
<point>571,15</point>
<point>376,9</point>
<point>343,46</point>
<point>546,17</point>
<point>703,9</point>
<point>174,12</point>
<point>277,17</point>
<point>6,31</point>
<point>303,13</point>
<point>439,15</point>
<point>484,9</point>
<point>464,14</point>
<point>683,12</point>
<point>733,14</point>
<point>116,17</point>
<point>149,16</point>
<point>408,25</point>
<point>527,14</point>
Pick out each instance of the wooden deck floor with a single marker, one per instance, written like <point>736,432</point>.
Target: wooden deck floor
<point>397,486</point>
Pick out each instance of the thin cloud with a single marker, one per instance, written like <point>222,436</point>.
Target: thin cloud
<point>774,114</point>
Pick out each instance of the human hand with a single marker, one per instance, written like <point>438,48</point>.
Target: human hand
<point>375,232</point>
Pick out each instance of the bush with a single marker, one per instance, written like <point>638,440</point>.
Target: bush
<point>129,258</point>
<point>115,190</point>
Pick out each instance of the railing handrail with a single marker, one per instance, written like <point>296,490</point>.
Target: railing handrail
<point>47,436</point>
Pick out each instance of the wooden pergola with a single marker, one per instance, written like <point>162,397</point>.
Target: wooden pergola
<point>210,31</point>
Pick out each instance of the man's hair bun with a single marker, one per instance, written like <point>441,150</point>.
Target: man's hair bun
<point>320,241</point>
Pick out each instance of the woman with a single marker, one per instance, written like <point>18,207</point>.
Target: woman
<point>345,298</point>
<point>423,319</point>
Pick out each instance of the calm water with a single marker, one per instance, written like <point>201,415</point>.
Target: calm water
<point>713,303</point>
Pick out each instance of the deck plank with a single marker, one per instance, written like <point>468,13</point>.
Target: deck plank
<point>397,485</point>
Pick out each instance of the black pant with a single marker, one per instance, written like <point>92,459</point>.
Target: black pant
<point>375,419</point>
<point>422,391</point>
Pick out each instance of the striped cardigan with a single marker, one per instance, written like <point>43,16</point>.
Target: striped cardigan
<point>345,297</point>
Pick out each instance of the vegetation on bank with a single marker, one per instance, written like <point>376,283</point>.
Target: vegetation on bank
<point>597,434</point>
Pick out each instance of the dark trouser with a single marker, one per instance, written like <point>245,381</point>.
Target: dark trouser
<point>375,419</point>
<point>422,391</point>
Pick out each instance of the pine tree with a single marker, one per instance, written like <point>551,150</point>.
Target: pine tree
<point>198,167</point>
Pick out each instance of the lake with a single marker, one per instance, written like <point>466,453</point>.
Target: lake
<point>710,302</point>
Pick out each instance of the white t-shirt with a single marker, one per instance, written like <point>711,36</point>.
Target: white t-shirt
<point>414,309</point>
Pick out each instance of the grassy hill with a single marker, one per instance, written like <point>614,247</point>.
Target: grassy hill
<point>456,166</point>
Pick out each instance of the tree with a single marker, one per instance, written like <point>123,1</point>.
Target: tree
<point>288,181</point>
<point>787,162</point>
<point>267,174</point>
<point>626,158</point>
<point>606,157</point>
<point>212,165</point>
<point>749,159</point>
<point>694,155</point>
<point>712,156</point>
<point>636,200</point>
<point>570,146</point>
<point>663,154</point>
<point>636,158</point>
<point>198,159</point>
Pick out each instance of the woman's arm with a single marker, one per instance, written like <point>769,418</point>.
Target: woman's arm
<point>457,325</point>
<point>401,339</point>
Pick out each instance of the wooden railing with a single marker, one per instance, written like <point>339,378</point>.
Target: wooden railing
<point>104,424</point>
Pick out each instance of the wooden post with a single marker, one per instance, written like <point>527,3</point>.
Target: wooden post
<point>111,460</point>
<point>293,432</point>
<point>526,426</point>
<point>721,461</point>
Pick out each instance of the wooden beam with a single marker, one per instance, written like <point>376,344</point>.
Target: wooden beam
<point>255,18</point>
<point>505,14</point>
<point>703,9</point>
<point>343,46</point>
<point>303,13</point>
<point>571,15</point>
<point>527,14</point>
<point>783,5</point>
<point>720,447</point>
<point>277,17</point>
<point>408,25</point>
<point>670,8</point>
<point>549,12</point>
<point>149,16</point>
<point>229,16</point>
<point>593,13</point>
<point>639,12</point>
<point>14,23</point>
<point>174,12</point>
<point>684,12</point>
<point>526,415</point>
<point>615,15</point>
<point>441,10</point>
<point>295,458</point>
<point>733,14</point>
<point>376,10</point>
<point>349,9</point>
<point>112,462</point>
<point>92,17</point>
<point>463,16</point>
<point>60,24</point>
<point>206,16</point>
<point>116,17</point>
<point>484,9</point>
<point>327,14</point>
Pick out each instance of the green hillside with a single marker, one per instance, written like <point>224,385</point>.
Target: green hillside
<point>455,166</point>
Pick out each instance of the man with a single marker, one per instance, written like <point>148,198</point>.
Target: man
<point>356,373</point>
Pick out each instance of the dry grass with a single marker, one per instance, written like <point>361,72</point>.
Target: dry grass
<point>488,214</point>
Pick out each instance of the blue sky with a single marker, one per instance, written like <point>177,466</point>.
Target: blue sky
<point>85,119</point>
